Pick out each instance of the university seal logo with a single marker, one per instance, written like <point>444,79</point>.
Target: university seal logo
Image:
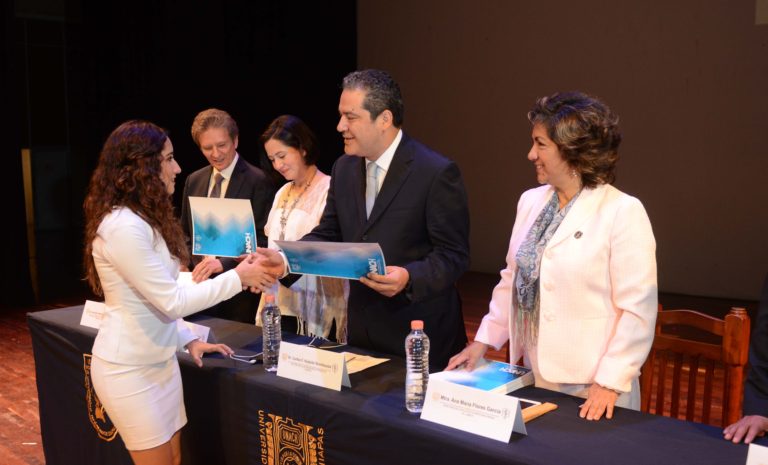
<point>96,414</point>
<point>284,441</point>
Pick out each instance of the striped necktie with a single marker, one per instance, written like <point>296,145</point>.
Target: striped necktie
<point>216,191</point>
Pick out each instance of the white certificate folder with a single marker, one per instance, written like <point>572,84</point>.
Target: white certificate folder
<point>222,227</point>
<point>348,260</point>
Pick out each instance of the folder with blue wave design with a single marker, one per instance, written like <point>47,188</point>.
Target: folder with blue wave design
<point>490,375</point>
<point>348,260</point>
<point>222,227</point>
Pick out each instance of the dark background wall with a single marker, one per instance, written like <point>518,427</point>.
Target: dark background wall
<point>75,69</point>
<point>688,79</point>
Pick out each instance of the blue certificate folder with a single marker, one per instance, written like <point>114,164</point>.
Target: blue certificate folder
<point>490,375</point>
<point>222,227</point>
<point>348,260</point>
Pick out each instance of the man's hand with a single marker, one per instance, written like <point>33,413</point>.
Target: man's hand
<point>206,268</point>
<point>389,284</point>
<point>748,428</point>
<point>271,261</point>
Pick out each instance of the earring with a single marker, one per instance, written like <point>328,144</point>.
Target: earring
<point>574,173</point>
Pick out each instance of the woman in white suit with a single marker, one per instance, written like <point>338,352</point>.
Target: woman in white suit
<point>578,297</point>
<point>133,247</point>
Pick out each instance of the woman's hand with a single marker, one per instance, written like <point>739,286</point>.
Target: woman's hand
<point>255,275</point>
<point>468,357</point>
<point>748,428</point>
<point>600,400</point>
<point>197,348</point>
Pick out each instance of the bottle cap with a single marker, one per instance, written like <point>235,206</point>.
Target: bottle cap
<point>417,324</point>
<point>269,298</point>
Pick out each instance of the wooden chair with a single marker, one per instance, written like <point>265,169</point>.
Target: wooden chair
<point>725,352</point>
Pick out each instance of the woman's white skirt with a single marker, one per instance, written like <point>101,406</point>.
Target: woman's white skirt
<point>144,402</point>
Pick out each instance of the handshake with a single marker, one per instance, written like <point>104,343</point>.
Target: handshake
<point>257,271</point>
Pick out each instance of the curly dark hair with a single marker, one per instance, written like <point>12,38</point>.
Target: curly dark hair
<point>128,175</point>
<point>293,132</point>
<point>381,93</point>
<point>586,133</point>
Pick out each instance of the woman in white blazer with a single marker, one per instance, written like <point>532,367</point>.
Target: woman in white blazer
<point>133,247</point>
<point>578,297</point>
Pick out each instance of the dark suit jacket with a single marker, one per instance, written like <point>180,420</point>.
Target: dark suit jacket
<point>247,182</point>
<point>756,387</point>
<point>421,221</point>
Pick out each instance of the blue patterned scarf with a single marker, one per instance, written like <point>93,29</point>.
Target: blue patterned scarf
<point>528,260</point>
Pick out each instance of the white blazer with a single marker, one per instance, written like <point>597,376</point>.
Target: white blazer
<point>597,290</point>
<point>143,299</point>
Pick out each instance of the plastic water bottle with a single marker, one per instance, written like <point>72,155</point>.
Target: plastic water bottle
<point>270,332</point>
<point>417,368</point>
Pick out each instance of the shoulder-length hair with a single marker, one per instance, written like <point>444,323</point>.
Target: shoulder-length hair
<point>586,133</point>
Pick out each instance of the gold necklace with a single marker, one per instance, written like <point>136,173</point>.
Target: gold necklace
<point>284,214</point>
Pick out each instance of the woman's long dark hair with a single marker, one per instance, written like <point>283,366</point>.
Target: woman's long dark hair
<point>128,175</point>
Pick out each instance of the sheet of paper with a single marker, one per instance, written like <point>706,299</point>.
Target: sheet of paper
<point>357,362</point>
<point>757,455</point>
<point>485,413</point>
<point>93,312</point>
<point>313,366</point>
<point>222,227</point>
<point>349,260</point>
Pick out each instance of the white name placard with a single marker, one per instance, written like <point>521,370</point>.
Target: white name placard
<point>485,413</point>
<point>93,312</point>
<point>313,366</point>
<point>757,455</point>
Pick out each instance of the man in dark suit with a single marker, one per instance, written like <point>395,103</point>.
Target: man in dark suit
<point>230,176</point>
<point>755,420</point>
<point>419,217</point>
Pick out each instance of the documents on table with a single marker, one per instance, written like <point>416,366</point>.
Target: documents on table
<point>222,227</point>
<point>485,413</point>
<point>348,260</point>
<point>358,362</point>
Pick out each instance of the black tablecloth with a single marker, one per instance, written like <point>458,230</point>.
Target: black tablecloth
<point>240,414</point>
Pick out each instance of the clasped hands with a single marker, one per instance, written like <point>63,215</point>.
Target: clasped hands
<point>260,271</point>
